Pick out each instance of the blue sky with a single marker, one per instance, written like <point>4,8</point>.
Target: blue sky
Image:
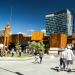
<point>29,15</point>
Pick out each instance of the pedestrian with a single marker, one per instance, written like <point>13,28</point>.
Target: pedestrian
<point>36,54</point>
<point>20,52</point>
<point>69,57</point>
<point>6,51</point>
<point>62,59</point>
<point>41,56</point>
<point>30,51</point>
<point>0,52</point>
<point>12,52</point>
<point>26,50</point>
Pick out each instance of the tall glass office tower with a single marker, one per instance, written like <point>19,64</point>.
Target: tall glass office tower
<point>59,22</point>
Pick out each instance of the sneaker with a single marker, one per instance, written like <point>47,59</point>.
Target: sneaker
<point>58,70</point>
<point>69,70</point>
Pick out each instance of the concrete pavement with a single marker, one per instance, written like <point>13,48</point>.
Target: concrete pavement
<point>29,68</point>
<point>15,58</point>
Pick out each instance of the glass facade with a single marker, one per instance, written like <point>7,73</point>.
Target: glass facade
<point>59,22</point>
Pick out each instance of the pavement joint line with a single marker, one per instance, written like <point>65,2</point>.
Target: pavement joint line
<point>15,59</point>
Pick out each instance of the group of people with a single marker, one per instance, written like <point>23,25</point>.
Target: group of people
<point>38,56</point>
<point>66,58</point>
<point>13,52</point>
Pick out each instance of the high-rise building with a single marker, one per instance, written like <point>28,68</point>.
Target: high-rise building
<point>59,22</point>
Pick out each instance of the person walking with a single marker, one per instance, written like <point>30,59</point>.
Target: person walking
<point>40,56</point>
<point>12,52</point>
<point>62,59</point>
<point>20,52</point>
<point>69,57</point>
<point>0,53</point>
<point>36,54</point>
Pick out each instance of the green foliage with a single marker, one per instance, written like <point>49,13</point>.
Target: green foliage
<point>41,46</point>
<point>36,45</point>
<point>17,46</point>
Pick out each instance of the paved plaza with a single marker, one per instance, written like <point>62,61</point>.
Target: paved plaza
<point>27,67</point>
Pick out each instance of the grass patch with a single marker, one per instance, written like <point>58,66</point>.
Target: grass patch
<point>23,55</point>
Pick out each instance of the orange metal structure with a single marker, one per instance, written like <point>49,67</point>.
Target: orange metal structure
<point>58,40</point>
<point>36,36</point>
<point>6,35</point>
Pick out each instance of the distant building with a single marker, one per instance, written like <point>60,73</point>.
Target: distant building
<point>17,38</point>
<point>59,22</point>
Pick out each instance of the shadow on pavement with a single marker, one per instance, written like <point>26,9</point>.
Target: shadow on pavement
<point>18,73</point>
<point>36,62</point>
<point>11,71</point>
<point>57,69</point>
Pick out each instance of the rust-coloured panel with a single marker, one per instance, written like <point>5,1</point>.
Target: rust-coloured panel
<point>37,36</point>
<point>58,40</point>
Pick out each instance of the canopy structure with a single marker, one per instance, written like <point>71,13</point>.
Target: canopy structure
<point>1,46</point>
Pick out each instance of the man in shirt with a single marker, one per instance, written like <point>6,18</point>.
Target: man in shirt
<point>69,58</point>
<point>62,59</point>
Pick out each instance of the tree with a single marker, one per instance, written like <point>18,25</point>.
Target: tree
<point>17,46</point>
<point>36,45</point>
<point>41,45</point>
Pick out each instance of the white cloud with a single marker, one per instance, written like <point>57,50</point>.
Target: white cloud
<point>44,31</point>
<point>19,33</point>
